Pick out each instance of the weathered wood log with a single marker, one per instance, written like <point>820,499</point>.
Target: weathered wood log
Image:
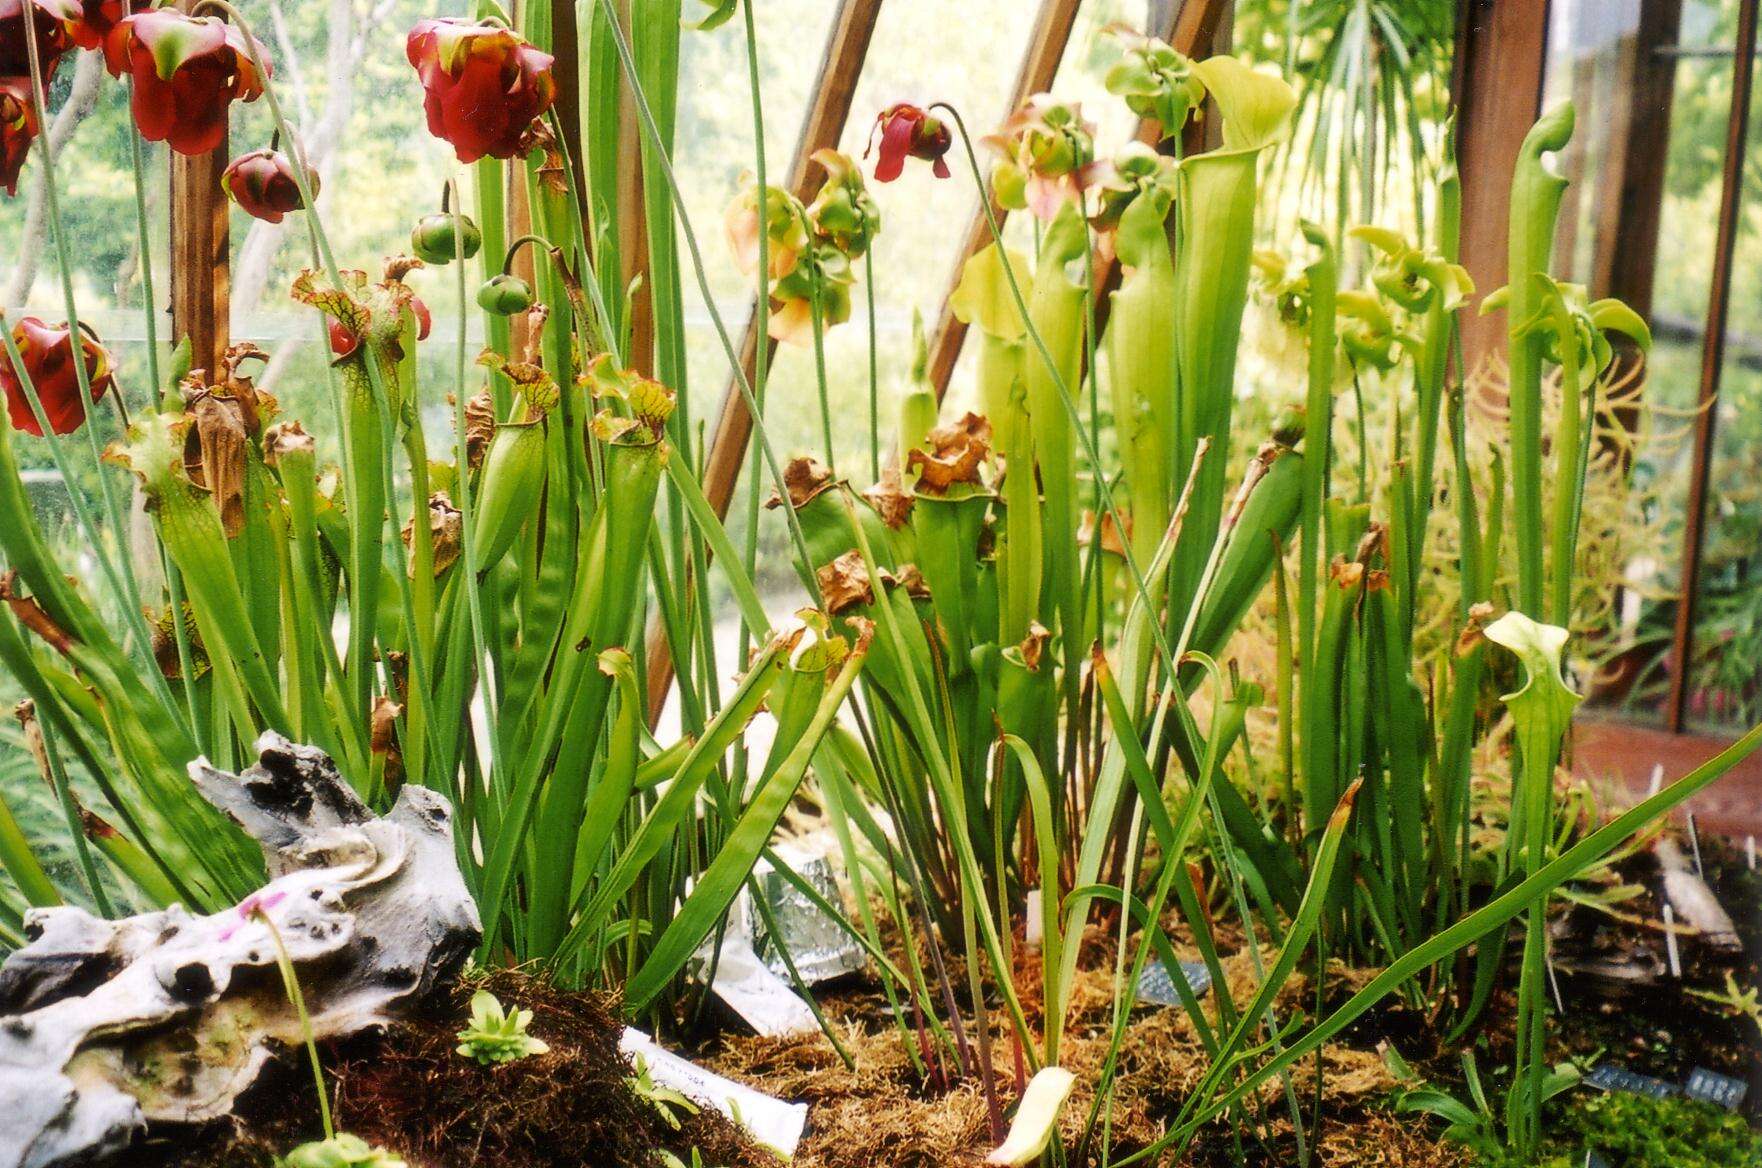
<point>1694,902</point>
<point>108,1026</point>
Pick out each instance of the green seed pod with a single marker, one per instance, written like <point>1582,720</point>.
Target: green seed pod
<point>435,238</point>
<point>505,295</point>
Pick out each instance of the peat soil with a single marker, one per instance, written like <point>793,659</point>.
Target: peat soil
<point>880,1112</point>
<point>411,1093</point>
<point>408,1091</point>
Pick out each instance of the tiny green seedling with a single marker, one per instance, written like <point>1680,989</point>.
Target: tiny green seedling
<point>1735,1000</point>
<point>341,1151</point>
<point>665,1100</point>
<point>496,1036</point>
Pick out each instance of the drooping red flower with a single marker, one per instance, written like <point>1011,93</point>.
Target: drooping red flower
<point>186,71</point>
<point>908,131</point>
<point>482,84</point>
<point>94,20</point>
<point>18,129</point>
<point>262,183</point>
<point>50,19</point>
<point>48,362</point>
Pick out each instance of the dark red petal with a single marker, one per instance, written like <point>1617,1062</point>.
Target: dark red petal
<point>18,129</point>
<point>51,36</point>
<point>342,341</point>
<point>896,141</point>
<point>200,92</point>
<point>49,363</point>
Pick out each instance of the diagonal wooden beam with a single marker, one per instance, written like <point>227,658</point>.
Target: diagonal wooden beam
<point>847,46</point>
<point>1190,30</point>
<point>1046,48</point>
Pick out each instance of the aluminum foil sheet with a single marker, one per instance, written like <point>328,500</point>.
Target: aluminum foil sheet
<point>820,949</point>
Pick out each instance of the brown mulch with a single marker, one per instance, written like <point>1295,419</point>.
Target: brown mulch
<point>880,1114</point>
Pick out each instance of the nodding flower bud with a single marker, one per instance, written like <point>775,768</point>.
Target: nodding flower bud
<point>505,295</point>
<point>262,184</point>
<point>436,238</point>
<point>909,131</point>
<point>48,365</point>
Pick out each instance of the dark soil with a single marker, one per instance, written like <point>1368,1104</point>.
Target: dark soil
<point>1656,1028</point>
<point>409,1092</point>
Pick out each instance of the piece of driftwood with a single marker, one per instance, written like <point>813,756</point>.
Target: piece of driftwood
<point>1694,902</point>
<point>108,1026</point>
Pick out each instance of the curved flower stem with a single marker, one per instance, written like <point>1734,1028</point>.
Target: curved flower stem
<point>420,677</point>
<point>874,371</point>
<point>121,573</point>
<point>291,983</point>
<point>467,518</point>
<point>1158,636</point>
<point>646,117</point>
<point>514,248</point>
<point>816,287</point>
<point>143,241</point>
<point>761,349</point>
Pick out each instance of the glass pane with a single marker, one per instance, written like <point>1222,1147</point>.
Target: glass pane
<point>95,182</point>
<point>1725,660</point>
<point>1592,61</point>
<point>1590,47</point>
<point>349,93</point>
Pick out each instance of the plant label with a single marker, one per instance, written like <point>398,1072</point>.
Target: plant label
<point>1712,1087</point>
<point>770,1120</point>
<point>1609,1077</point>
<point>1155,985</point>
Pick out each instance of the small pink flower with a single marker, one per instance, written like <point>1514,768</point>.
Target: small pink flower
<point>260,901</point>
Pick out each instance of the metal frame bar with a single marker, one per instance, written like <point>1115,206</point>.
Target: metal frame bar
<point>1713,359</point>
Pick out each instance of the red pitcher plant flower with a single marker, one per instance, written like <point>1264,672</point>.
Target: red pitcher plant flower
<point>95,20</point>
<point>482,84</point>
<point>908,131</point>
<point>18,128</point>
<point>262,183</point>
<point>186,71</point>
<point>48,362</point>
<point>49,19</point>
